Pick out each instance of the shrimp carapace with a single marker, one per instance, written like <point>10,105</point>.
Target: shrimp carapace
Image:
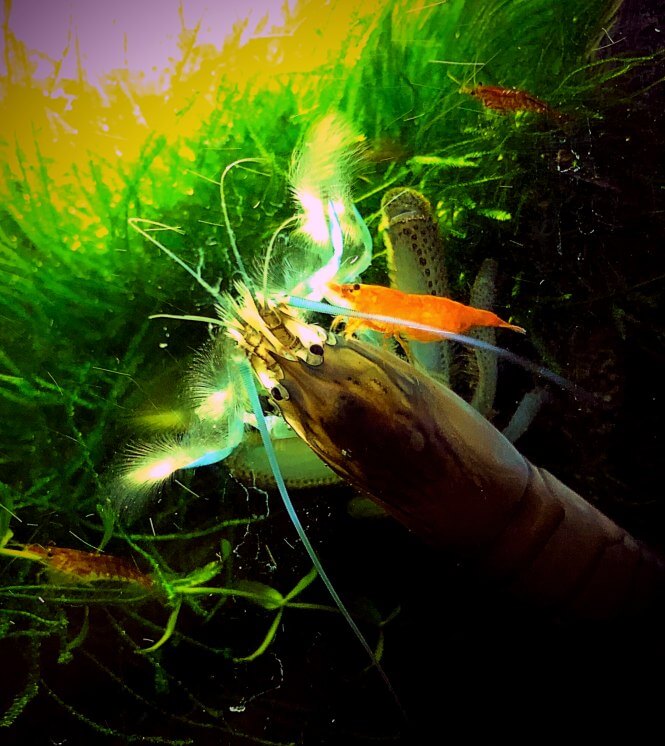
<point>443,313</point>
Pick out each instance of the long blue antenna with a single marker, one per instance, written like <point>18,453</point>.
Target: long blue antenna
<point>538,370</point>
<point>248,380</point>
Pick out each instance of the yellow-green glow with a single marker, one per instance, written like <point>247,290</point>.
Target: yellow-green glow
<point>215,406</point>
<point>172,419</point>
<point>87,133</point>
<point>158,470</point>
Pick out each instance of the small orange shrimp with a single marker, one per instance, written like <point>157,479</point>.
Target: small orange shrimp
<point>511,99</point>
<point>74,565</point>
<point>443,313</point>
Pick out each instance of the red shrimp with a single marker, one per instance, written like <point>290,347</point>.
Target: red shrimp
<point>442,313</point>
<point>507,100</point>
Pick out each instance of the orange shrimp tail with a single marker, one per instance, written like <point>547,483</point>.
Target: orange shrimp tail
<point>451,316</point>
<point>487,318</point>
<point>513,327</point>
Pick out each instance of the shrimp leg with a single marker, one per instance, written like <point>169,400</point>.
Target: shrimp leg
<point>448,475</point>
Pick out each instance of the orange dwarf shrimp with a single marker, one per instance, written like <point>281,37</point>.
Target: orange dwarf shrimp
<point>428,310</point>
<point>75,565</point>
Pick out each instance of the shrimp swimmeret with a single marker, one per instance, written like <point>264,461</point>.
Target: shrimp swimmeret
<point>428,310</point>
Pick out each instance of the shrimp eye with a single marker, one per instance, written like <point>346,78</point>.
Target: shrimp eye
<point>314,355</point>
<point>279,393</point>
<point>356,286</point>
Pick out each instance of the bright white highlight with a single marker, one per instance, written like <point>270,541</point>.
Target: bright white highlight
<point>156,469</point>
<point>318,281</point>
<point>323,170</point>
<point>216,405</point>
<point>314,222</point>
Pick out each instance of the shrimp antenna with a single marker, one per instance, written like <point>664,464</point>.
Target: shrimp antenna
<point>269,250</point>
<point>227,222</point>
<point>248,380</point>
<point>539,370</point>
<point>136,223</point>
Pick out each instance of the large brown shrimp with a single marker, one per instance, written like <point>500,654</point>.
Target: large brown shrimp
<point>448,475</point>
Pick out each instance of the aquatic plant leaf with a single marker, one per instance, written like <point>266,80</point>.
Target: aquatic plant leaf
<point>467,161</point>
<point>500,215</point>
<point>303,583</point>
<point>261,594</point>
<point>201,575</point>
<point>270,636</point>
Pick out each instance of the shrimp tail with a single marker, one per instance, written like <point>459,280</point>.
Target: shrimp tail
<point>471,317</point>
<point>513,327</point>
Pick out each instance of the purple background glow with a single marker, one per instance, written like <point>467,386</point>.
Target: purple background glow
<point>151,28</point>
